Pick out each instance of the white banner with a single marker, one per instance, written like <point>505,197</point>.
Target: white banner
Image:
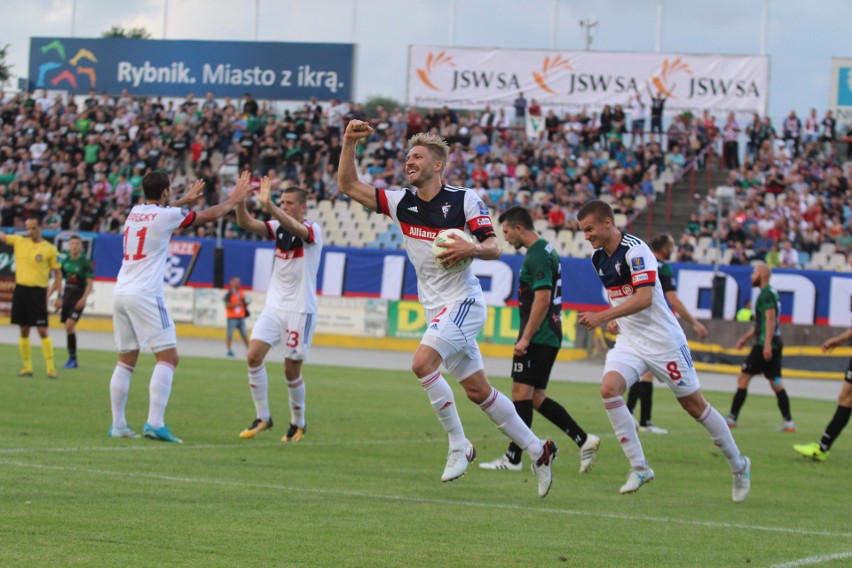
<point>470,78</point>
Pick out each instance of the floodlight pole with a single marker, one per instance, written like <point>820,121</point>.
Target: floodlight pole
<point>587,26</point>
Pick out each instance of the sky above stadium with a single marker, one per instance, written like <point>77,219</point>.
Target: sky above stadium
<point>801,37</point>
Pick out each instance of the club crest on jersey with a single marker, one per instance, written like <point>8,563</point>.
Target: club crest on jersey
<point>638,263</point>
<point>445,208</point>
<point>618,266</point>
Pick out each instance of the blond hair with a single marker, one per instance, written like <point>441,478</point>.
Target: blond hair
<point>435,144</point>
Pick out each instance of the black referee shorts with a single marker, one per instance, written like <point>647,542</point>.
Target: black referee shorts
<point>29,306</point>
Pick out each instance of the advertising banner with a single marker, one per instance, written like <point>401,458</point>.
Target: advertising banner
<point>808,297</point>
<point>267,70</point>
<point>840,90</point>
<point>405,320</point>
<point>470,78</point>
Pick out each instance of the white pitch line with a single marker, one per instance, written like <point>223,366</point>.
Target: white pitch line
<point>813,560</point>
<point>152,445</point>
<point>668,521</point>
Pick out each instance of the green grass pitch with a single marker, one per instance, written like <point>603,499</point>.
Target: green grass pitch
<point>363,487</point>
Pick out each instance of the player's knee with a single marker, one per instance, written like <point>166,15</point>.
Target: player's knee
<point>607,391</point>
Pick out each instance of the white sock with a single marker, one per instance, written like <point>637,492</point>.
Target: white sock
<point>625,431</point>
<point>502,412</point>
<point>297,401</point>
<point>441,397</point>
<point>722,437</point>
<point>119,388</point>
<point>159,391</point>
<point>259,388</point>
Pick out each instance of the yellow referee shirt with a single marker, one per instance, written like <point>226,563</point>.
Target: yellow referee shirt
<point>33,261</point>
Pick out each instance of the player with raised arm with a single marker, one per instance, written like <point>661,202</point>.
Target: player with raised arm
<point>140,315</point>
<point>289,316</point>
<point>453,301</point>
<point>649,339</point>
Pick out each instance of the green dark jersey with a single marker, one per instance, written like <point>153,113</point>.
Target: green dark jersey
<point>76,271</point>
<point>542,270</point>
<point>667,277</point>
<point>767,300</point>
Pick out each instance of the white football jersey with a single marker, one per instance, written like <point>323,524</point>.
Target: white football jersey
<point>147,233</point>
<point>293,287</point>
<point>632,265</point>
<point>421,221</point>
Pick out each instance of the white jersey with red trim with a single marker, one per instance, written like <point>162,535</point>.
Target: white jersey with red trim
<point>147,234</point>
<point>293,287</point>
<point>421,221</point>
<point>632,265</point>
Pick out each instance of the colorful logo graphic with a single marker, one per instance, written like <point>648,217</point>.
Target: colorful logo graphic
<point>550,66</point>
<point>63,70</point>
<point>432,63</point>
<point>664,81</point>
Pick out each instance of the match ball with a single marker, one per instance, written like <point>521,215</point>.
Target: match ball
<point>445,236</point>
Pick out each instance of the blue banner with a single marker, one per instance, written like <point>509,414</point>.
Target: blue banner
<point>268,70</point>
<point>807,297</point>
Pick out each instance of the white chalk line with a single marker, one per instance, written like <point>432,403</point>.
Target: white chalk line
<point>668,521</point>
<point>813,560</point>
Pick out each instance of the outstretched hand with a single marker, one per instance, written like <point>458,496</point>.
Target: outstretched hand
<point>196,190</point>
<point>243,188</point>
<point>265,189</point>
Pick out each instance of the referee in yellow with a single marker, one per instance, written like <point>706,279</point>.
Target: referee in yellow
<point>35,258</point>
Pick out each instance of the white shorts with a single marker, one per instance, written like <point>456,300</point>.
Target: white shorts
<point>674,368</point>
<point>452,332</point>
<point>293,330</point>
<point>142,322</point>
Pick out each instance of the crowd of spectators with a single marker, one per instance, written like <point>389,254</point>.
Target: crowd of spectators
<point>77,162</point>
<point>789,199</point>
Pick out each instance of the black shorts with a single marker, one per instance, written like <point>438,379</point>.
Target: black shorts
<point>534,368</point>
<point>848,377</point>
<point>69,308</point>
<point>755,364</point>
<point>29,306</point>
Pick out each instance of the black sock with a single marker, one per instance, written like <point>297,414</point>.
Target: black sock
<point>835,427</point>
<point>557,414</point>
<point>524,408</point>
<point>784,404</point>
<point>646,397</point>
<point>72,345</point>
<point>737,404</point>
<point>633,396</point>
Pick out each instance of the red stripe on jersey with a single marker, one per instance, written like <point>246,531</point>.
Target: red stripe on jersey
<point>269,232</point>
<point>419,232</point>
<point>310,227</point>
<point>382,202</point>
<point>646,278</point>
<point>290,254</point>
<point>479,223</point>
<point>188,220</point>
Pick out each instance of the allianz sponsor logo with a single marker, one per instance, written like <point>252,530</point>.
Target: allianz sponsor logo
<point>421,233</point>
<point>620,291</point>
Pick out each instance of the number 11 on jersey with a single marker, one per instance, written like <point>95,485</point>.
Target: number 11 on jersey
<point>140,242</point>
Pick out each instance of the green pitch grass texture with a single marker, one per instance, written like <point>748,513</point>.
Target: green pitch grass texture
<point>363,486</point>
